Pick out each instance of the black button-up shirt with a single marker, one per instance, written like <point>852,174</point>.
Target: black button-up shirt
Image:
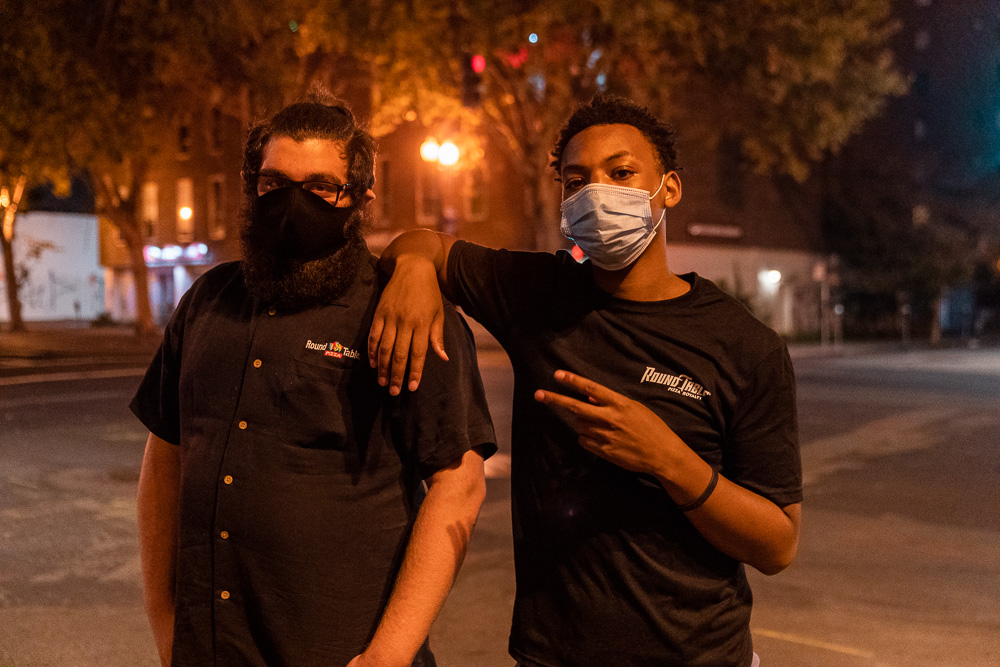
<point>300,476</point>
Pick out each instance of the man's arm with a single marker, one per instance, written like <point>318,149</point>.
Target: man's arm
<point>409,312</point>
<point>738,522</point>
<point>158,518</point>
<point>433,557</point>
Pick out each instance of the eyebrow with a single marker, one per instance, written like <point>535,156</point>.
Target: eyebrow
<point>610,158</point>
<point>317,176</point>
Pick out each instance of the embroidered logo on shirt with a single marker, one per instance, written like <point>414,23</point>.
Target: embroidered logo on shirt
<point>679,384</point>
<point>333,349</point>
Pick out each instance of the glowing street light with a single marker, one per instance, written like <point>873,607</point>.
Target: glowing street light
<point>772,277</point>
<point>448,154</point>
<point>429,150</point>
<point>185,212</point>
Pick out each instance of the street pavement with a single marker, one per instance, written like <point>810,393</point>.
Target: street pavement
<point>899,561</point>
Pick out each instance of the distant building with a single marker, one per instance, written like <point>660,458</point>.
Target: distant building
<point>61,278</point>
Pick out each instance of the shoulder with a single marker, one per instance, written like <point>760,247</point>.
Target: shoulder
<point>218,278</point>
<point>730,324</point>
<point>467,256</point>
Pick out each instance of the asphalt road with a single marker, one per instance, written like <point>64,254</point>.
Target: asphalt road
<point>899,563</point>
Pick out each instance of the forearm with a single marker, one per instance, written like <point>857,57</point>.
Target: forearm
<point>418,247</point>
<point>735,520</point>
<point>157,519</point>
<point>433,557</point>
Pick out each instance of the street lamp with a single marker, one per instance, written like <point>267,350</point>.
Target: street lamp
<point>185,213</point>
<point>448,154</point>
<point>429,150</point>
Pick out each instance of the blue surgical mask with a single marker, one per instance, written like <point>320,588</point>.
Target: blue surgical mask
<point>612,224</point>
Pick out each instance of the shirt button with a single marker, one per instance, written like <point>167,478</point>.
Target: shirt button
<point>224,595</point>
<point>272,311</point>
<point>243,425</point>
<point>224,534</point>
<point>256,363</point>
<point>228,479</point>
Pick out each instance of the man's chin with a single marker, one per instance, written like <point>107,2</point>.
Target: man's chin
<point>297,284</point>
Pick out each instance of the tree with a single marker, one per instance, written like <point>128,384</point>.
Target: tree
<point>792,80</point>
<point>884,251</point>
<point>33,120</point>
<point>141,62</point>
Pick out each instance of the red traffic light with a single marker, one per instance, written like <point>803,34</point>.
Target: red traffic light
<point>478,63</point>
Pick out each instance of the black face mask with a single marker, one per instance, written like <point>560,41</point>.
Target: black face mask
<point>302,225</point>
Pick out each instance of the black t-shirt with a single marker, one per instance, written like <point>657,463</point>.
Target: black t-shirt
<point>609,571</point>
<point>301,477</point>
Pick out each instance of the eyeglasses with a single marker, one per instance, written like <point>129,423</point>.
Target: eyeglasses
<point>328,191</point>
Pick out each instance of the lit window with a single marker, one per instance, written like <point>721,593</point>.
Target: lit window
<point>922,40</point>
<point>921,215</point>
<point>919,130</point>
<point>216,211</point>
<point>185,210</point>
<point>150,207</point>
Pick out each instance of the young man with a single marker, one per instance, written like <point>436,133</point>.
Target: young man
<point>654,444</point>
<point>282,518</point>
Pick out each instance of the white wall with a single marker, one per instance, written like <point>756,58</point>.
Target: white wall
<point>789,307</point>
<point>65,281</point>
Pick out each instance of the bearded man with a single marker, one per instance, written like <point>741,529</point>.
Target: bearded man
<point>282,512</point>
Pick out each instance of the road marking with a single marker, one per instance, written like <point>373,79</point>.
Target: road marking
<point>69,377</point>
<point>814,643</point>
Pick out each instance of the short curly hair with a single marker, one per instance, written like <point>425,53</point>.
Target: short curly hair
<point>605,109</point>
<point>319,116</point>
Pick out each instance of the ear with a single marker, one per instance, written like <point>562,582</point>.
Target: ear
<point>671,192</point>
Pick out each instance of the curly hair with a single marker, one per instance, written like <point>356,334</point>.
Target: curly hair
<point>605,109</point>
<point>319,116</point>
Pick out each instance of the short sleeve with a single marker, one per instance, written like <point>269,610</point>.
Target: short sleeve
<point>763,451</point>
<point>447,415</point>
<point>501,288</point>
<point>157,400</point>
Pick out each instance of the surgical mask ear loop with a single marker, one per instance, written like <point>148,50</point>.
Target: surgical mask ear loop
<point>662,178</point>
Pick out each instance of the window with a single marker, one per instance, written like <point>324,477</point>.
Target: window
<point>919,130</point>
<point>922,40</point>
<point>428,195</point>
<point>215,130</point>
<point>921,215</point>
<point>185,210</point>
<point>216,212</point>
<point>150,208</point>
<point>476,195</point>
<point>184,136</point>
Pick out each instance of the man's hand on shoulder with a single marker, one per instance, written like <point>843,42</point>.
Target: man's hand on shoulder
<point>410,314</point>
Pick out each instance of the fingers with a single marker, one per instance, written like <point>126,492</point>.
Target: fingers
<point>599,394</point>
<point>374,338</point>
<point>418,353</point>
<point>575,407</point>
<point>399,354</point>
<point>437,335</point>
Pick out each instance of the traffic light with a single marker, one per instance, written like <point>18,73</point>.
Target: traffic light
<point>473,66</point>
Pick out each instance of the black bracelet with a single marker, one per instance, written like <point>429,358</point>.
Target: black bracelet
<point>700,500</point>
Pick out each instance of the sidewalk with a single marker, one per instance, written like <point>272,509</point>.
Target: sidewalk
<point>65,339</point>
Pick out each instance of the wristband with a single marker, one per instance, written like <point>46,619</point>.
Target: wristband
<point>700,500</point>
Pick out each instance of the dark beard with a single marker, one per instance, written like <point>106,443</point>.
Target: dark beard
<point>298,284</point>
